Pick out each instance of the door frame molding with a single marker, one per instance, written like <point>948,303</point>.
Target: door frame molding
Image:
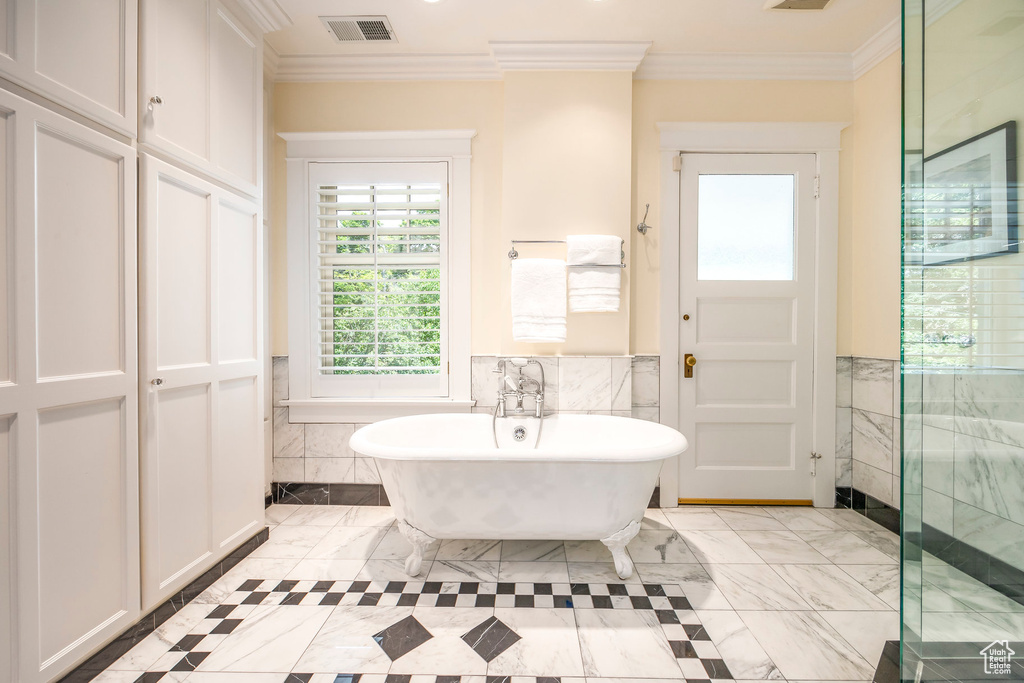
<point>821,139</point>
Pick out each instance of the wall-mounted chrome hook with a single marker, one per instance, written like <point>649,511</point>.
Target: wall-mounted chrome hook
<point>642,227</point>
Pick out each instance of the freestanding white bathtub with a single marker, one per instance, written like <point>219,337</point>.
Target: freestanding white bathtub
<point>589,477</point>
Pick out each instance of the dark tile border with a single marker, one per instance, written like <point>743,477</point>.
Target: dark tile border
<point>958,662</point>
<point>998,575</point>
<point>328,494</point>
<point>870,507</point>
<point>96,664</point>
<point>888,669</point>
<point>353,494</point>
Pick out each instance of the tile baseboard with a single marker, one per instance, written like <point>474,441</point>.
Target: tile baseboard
<point>888,669</point>
<point>328,494</point>
<point>997,574</point>
<point>869,506</point>
<point>354,494</point>
<point>131,637</point>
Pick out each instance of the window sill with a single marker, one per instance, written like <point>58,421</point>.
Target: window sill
<point>366,410</point>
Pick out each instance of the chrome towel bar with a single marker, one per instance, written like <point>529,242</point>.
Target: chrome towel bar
<point>513,254</point>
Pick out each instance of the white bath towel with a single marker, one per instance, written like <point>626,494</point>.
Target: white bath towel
<point>594,290</point>
<point>538,300</point>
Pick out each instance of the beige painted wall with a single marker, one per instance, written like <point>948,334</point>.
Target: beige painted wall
<point>874,250</point>
<point>399,106</point>
<point>556,153</point>
<point>566,171</point>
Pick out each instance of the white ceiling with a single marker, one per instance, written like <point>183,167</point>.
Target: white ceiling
<point>466,27</point>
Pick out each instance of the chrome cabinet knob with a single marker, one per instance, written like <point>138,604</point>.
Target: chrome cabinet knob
<point>157,381</point>
<point>156,99</point>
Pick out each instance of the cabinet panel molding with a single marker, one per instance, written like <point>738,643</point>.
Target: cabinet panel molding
<point>72,422</point>
<point>217,396</point>
<point>82,55</point>
<point>200,101</point>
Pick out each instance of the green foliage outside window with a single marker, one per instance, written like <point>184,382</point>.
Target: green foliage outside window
<point>387,319</point>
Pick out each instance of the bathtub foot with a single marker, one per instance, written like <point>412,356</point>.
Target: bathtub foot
<point>617,544</point>
<point>420,542</point>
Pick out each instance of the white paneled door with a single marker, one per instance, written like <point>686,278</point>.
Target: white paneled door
<point>68,392</point>
<point>746,326</point>
<point>201,341</point>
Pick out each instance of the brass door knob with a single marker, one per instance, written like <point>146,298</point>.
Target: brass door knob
<point>688,362</point>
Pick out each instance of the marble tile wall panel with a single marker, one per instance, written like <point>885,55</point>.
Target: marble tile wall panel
<point>280,378</point>
<point>991,533</point>
<point>990,405</point>
<point>868,408</point>
<point>873,439</point>
<point>844,382</point>
<point>584,383</point>
<point>873,481</point>
<point>873,385</point>
<point>646,382</point>
<point>609,385</point>
<point>987,475</point>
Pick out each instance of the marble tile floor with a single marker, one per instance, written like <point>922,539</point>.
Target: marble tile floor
<point>719,594</point>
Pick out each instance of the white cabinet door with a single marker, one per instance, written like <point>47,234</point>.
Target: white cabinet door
<point>68,390</point>
<point>82,55</point>
<point>202,378</point>
<point>202,87</point>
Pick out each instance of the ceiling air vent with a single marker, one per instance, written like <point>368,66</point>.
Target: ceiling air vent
<point>360,29</point>
<point>796,4</point>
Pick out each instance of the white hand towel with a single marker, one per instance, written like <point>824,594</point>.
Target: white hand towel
<point>594,290</point>
<point>538,300</point>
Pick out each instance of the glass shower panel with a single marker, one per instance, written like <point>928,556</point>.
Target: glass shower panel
<point>963,341</point>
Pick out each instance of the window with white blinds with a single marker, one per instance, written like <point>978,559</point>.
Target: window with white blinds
<point>379,248</point>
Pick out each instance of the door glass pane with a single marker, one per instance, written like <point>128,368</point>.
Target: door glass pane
<point>745,227</point>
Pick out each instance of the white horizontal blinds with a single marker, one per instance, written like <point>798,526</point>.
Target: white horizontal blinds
<point>964,309</point>
<point>379,258</point>
<point>965,314</point>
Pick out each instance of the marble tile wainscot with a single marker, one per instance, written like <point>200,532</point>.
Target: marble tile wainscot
<point>100,661</point>
<point>868,462</point>
<point>972,439</point>
<point>313,462</point>
<point>627,386</point>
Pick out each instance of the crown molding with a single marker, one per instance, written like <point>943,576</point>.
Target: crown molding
<point>782,66</point>
<point>269,15</point>
<point>877,48</point>
<point>319,68</point>
<point>940,8</point>
<point>936,10</point>
<point>569,56</point>
<point>271,61</point>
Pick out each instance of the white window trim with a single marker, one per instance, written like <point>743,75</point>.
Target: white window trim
<point>451,146</point>
<point>821,139</point>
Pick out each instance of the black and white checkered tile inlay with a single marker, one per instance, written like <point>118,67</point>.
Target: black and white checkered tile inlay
<point>657,597</point>
<point>697,655</point>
